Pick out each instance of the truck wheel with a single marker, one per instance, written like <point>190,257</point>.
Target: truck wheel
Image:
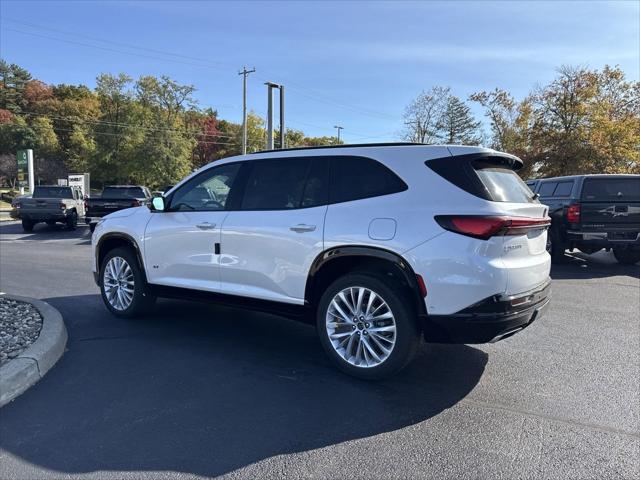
<point>72,221</point>
<point>122,284</point>
<point>367,326</point>
<point>51,223</point>
<point>27,226</point>
<point>626,257</point>
<point>555,247</point>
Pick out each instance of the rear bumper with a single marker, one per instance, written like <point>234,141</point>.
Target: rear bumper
<point>609,239</point>
<point>42,216</point>
<point>490,320</point>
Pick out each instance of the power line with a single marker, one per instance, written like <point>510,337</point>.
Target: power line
<point>206,64</point>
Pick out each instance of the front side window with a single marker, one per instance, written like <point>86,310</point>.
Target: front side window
<point>276,184</point>
<point>353,178</point>
<point>208,191</point>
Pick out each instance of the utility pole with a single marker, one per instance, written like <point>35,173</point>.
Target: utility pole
<point>338,127</point>
<point>244,74</point>
<point>270,87</point>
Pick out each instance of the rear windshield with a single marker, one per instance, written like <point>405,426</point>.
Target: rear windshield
<point>505,185</point>
<point>611,189</point>
<point>123,192</point>
<point>52,192</point>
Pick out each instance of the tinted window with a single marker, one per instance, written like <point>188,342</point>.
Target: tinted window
<point>611,189</point>
<point>206,192</point>
<point>547,188</point>
<point>123,192</point>
<point>276,184</point>
<point>563,189</point>
<point>52,192</point>
<point>505,185</point>
<point>316,190</point>
<point>353,178</point>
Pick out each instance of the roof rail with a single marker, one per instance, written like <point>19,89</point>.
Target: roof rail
<point>349,145</point>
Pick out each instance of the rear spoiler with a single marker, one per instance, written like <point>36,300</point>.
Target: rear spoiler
<point>461,169</point>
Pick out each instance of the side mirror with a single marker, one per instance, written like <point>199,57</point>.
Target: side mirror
<point>157,204</point>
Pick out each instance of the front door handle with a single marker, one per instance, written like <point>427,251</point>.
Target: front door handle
<point>206,226</point>
<point>301,228</point>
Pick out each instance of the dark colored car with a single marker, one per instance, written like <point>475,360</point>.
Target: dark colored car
<point>592,212</point>
<point>114,198</point>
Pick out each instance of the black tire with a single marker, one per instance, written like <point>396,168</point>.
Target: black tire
<point>626,256</point>
<point>142,301</point>
<point>555,247</point>
<point>92,227</point>
<point>27,226</point>
<point>407,331</point>
<point>51,223</point>
<point>72,221</point>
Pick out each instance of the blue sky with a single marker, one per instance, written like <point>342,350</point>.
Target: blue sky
<point>356,64</point>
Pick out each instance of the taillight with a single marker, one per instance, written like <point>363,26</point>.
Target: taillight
<point>135,203</point>
<point>485,227</point>
<point>63,206</point>
<point>573,213</point>
<point>421,285</point>
<point>17,205</point>
<point>86,205</point>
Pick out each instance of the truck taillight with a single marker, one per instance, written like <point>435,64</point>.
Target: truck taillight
<point>63,206</point>
<point>135,203</point>
<point>17,205</point>
<point>485,227</point>
<point>573,213</point>
<point>86,205</point>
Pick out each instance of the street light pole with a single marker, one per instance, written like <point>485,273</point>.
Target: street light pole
<point>338,127</point>
<point>244,74</point>
<point>270,87</point>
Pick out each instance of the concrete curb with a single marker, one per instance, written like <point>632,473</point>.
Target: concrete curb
<point>20,373</point>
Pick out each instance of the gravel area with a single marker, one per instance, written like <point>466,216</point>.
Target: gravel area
<point>20,325</point>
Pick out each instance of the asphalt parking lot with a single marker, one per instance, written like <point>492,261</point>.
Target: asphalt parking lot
<point>200,390</point>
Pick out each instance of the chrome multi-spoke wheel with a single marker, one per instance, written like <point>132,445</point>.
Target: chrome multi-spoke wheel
<point>118,283</point>
<point>361,327</point>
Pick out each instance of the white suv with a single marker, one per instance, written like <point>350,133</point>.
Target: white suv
<point>378,245</point>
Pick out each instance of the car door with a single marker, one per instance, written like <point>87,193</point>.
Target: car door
<point>269,242</point>
<point>181,246</point>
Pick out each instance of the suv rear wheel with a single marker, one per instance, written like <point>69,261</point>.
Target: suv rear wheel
<point>122,284</point>
<point>626,257</point>
<point>27,225</point>
<point>367,326</point>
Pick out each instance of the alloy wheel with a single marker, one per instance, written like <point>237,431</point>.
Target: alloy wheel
<point>118,283</point>
<point>361,327</point>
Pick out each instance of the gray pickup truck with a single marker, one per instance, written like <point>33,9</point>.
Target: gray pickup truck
<point>50,204</point>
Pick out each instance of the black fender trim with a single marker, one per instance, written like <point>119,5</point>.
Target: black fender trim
<point>365,251</point>
<point>120,236</point>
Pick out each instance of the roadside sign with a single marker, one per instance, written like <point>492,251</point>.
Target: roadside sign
<point>24,159</point>
<point>80,180</point>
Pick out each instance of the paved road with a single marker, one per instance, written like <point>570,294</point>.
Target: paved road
<point>199,390</point>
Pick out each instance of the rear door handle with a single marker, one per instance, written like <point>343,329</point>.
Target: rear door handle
<point>301,228</point>
<point>206,226</point>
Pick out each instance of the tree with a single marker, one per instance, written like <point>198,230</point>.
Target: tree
<point>13,80</point>
<point>456,124</point>
<point>510,123</point>
<point>422,115</point>
<point>437,116</point>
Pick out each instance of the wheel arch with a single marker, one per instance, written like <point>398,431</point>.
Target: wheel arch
<point>337,261</point>
<point>109,241</point>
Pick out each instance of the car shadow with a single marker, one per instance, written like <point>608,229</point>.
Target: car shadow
<point>42,231</point>
<point>207,390</point>
<point>602,264</point>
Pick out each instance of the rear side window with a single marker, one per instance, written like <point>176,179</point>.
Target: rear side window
<point>354,178</point>
<point>505,185</point>
<point>563,189</point>
<point>276,184</point>
<point>547,189</point>
<point>608,189</point>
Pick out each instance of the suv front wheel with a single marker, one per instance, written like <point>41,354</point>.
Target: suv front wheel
<point>122,284</point>
<point>367,326</point>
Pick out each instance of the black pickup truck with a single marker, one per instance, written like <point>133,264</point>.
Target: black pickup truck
<point>114,198</point>
<point>592,212</point>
